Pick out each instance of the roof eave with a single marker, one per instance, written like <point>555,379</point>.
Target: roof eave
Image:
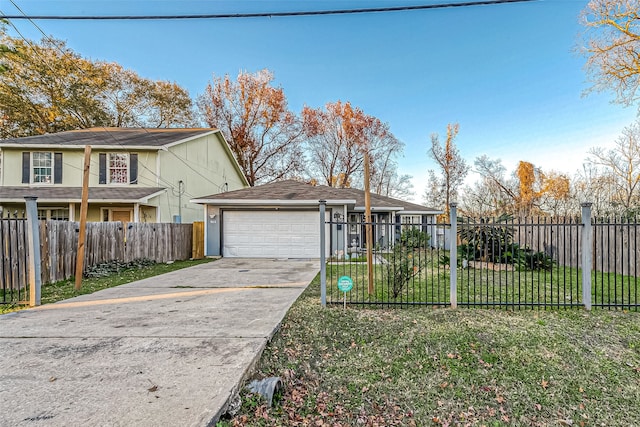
<point>81,146</point>
<point>269,202</point>
<point>200,135</point>
<point>425,212</point>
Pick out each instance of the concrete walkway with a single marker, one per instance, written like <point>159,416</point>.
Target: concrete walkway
<point>164,351</point>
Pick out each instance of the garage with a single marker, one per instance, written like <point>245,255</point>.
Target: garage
<point>269,234</point>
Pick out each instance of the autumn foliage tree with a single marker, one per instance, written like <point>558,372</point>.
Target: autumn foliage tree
<point>263,134</point>
<point>45,87</point>
<point>612,46</point>
<point>337,136</point>
<point>529,190</point>
<point>134,101</point>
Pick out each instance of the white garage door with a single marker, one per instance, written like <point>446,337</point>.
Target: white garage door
<point>271,234</point>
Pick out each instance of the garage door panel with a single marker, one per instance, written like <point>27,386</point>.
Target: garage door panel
<point>268,234</point>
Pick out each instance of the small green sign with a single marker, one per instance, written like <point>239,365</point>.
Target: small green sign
<point>345,283</point>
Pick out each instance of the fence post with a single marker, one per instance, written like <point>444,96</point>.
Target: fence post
<point>453,255</point>
<point>323,260</point>
<point>33,243</point>
<point>587,246</point>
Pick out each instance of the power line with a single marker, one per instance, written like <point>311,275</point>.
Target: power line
<point>265,14</point>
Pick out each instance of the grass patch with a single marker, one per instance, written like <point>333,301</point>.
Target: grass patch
<point>65,289</point>
<point>558,286</point>
<point>423,366</point>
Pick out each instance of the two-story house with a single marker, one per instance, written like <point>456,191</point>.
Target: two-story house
<point>139,175</point>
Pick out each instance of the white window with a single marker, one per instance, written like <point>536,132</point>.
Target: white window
<point>411,221</point>
<point>118,168</point>
<point>42,167</point>
<point>60,214</point>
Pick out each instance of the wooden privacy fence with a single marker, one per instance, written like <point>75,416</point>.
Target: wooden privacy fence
<point>109,241</point>
<point>13,261</point>
<point>614,249</point>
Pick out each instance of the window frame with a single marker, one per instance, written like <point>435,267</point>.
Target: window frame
<point>127,173</point>
<point>49,210</point>
<point>32,166</point>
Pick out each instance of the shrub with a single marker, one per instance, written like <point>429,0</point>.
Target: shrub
<point>526,259</point>
<point>116,266</point>
<point>486,238</point>
<point>414,238</point>
<point>401,269</point>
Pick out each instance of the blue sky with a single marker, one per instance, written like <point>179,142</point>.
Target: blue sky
<point>508,74</point>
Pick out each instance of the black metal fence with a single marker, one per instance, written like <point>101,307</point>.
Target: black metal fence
<point>13,262</point>
<point>489,262</point>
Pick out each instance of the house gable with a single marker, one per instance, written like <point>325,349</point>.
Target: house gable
<point>183,162</point>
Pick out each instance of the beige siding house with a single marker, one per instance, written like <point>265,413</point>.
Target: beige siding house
<point>136,175</point>
<point>281,220</point>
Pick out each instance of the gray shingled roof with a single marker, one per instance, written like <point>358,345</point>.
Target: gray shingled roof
<point>74,194</point>
<point>295,190</point>
<point>111,136</point>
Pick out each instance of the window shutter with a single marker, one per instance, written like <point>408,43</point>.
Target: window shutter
<point>103,168</point>
<point>57,168</point>
<point>133,168</point>
<point>26,167</point>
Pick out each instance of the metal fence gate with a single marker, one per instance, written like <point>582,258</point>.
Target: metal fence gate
<point>500,262</point>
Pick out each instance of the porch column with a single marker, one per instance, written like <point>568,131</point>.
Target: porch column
<point>392,221</point>
<point>136,212</point>
<point>72,211</point>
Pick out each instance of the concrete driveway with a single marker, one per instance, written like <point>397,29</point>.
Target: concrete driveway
<point>168,350</point>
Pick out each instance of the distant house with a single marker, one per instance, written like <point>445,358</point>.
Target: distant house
<point>138,175</point>
<point>281,219</point>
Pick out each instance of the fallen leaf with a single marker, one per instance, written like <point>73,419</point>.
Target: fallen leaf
<point>544,384</point>
<point>581,390</point>
<point>567,422</point>
<point>52,379</point>
<point>538,406</point>
<point>451,355</point>
<point>500,399</point>
<point>152,389</point>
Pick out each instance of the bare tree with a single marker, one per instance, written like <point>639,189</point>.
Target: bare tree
<point>433,193</point>
<point>612,47</point>
<point>453,167</point>
<point>622,164</point>
<point>592,184</point>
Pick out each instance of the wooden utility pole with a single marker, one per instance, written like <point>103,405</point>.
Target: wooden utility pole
<point>83,217</point>
<point>367,221</point>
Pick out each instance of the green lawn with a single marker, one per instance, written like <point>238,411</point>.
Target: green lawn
<point>422,366</point>
<point>65,289</point>
<point>559,286</point>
